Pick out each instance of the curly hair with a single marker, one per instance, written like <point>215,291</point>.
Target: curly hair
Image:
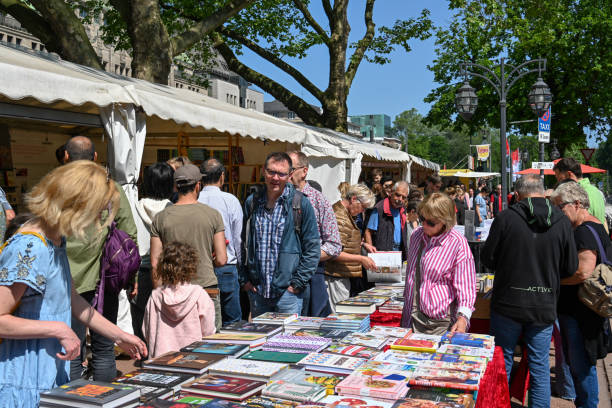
<point>178,264</point>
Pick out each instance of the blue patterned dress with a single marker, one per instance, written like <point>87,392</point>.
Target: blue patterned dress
<point>28,367</point>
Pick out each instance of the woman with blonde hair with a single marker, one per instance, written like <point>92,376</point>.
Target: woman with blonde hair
<point>37,297</point>
<point>440,278</point>
<point>338,271</point>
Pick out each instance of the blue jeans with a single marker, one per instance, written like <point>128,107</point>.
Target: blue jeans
<point>102,349</point>
<point>227,278</point>
<point>316,298</point>
<point>286,303</point>
<point>139,303</point>
<point>583,373</point>
<point>563,377</point>
<point>537,339</point>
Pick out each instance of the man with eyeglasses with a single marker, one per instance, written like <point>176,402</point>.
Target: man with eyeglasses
<point>281,246</point>
<point>316,301</point>
<point>386,229</point>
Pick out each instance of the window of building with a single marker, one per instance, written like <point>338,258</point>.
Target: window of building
<point>1,37</point>
<point>33,45</point>
<point>291,115</point>
<point>9,39</point>
<point>18,41</point>
<point>116,68</point>
<point>254,105</point>
<point>42,47</point>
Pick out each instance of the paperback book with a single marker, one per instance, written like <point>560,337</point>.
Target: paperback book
<point>275,318</point>
<point>469,339</point>
<point>91,393</point>
<point>183,362</point>
<point>397,332</point>
<point>417,342</point>
<point>396,356</point>
<point>252,340</point>
<point>302,392</point>
<point>296,344</point>
<point>437,394</point>
<point>352,350</point>
<point>331,363</point>
<point>257,370</point>
<point>332,334</point>
<point>373,384</point>
<point>251,328</point>
<point>236,389</point>
<point>392,306</point>
<point>154,378</point>
<point>365,339</point>
<point>466,351</point>
<point>304,322</point>
<point>339,401</point>
<point>148,394</point>
<point>230,350</point>
<point>292,375</point>
<point>268,402</point>
<point>275,356</point>
<point>355,306</point>
<point>193,400</point>
<point>433,377</point>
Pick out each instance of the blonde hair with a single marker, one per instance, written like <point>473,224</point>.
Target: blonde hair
<point>71,198</point>
<point>343,188</point>
<point>439,207</point>
<point>363,194</point>
<point>178,161</point>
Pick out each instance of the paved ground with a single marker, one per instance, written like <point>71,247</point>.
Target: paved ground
<point>604,372</point>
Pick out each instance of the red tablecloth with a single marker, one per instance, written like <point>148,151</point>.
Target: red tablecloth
<point>493,391</point>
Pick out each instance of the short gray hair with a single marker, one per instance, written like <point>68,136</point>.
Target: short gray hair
<point>529,184</point>
<point>362,193</point>
<point>571,192</point>
<point>399,184</point>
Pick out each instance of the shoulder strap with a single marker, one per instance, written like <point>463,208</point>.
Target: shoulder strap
<point>602,252</point>
<point>297,211</point>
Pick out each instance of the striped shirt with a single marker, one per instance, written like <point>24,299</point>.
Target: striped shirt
<point>330,240</point>
<point>269,226</point>
<point>447,275</point>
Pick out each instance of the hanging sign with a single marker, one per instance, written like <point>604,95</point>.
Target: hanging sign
<point>483,152</point>
<point>544,127</point>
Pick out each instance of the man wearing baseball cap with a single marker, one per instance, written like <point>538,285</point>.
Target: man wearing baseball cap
<point>195,224</point>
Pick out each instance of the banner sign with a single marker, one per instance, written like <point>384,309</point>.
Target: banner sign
<point>542,165</point>
<point>483,152</point>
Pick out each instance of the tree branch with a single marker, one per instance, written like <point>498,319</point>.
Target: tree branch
<point>186,40</point>
<point>122,7</point>
<point>328,9</point>
<point>302,7</point>
<point>363,44</point>
<point>270,57</point>
<point>306,112</point>
<point>31,21</point>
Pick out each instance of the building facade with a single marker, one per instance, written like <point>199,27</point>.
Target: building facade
<point>378,125</point>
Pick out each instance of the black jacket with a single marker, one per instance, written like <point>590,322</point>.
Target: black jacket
<point>531,248</point>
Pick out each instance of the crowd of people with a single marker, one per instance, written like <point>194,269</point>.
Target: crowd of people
<point>208,261</point>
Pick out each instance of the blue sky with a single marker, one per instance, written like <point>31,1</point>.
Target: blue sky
<point>392,88</point>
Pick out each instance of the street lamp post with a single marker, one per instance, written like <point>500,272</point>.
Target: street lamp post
<point>466,99</point>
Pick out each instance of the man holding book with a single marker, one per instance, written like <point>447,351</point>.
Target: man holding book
<point>281,246</point>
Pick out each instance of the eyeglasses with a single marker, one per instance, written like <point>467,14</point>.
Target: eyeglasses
<point>562,205</point>
<point>280,175</point>
<point>387,186</point>
<point>424,220</point>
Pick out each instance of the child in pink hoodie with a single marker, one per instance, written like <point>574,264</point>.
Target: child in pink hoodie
<point>178,312</point>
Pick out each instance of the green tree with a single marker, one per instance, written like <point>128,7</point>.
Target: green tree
<point>574,37</point>
<point>150,29</point>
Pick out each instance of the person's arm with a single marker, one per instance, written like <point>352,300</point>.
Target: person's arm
<point>87,315</point>
<point>8,210</point>
<point>311,249</point>
<point>587,261</point>
<point>331,243</point>
<point>220,248</point>
<point>365,261</point>
<point>13,327</point>
<point>372,226</point>
<point>237,232</point>
<point>156,250</point>
<point>464,285</point>
<point>206,310</point>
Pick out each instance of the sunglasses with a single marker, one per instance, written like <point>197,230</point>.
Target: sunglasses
<point>430,223</point>
<point>562,205</point>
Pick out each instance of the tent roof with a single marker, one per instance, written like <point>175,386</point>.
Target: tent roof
<point>586,169</point>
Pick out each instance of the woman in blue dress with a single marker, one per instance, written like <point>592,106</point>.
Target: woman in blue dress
<point>37,298</point>
<point>480,205</point>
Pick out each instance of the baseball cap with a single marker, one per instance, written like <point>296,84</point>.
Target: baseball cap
<point>187,175</point>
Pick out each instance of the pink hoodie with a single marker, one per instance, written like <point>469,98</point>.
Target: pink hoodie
<point>176,316</point>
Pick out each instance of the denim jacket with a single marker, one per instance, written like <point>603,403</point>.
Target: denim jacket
<point>298,255</point>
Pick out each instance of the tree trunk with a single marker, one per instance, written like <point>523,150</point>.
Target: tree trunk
<point>151,49</point>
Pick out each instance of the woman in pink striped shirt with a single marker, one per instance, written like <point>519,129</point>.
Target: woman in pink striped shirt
<point>440,278</point>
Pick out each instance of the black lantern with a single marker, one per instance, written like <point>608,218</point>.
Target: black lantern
<point>540,97</point>
<point>525,155</point>
<point>554,152</point>
<point>466,101</point>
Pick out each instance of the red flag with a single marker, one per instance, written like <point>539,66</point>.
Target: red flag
<point>507,148</point>
<point>515,156</point>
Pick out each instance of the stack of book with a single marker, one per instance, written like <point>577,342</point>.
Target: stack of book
<point>331,363</point>
<point>332,334</point>
<point>296,344</point>
<point>352,350</point>
<point>275,356</point>
<point>252,328</point>
<point>375,383</point>
<point>347,321</point>
<point>154,384</point>
<point>292,375</point>
<point>418,342</point>
<point>469,339</point>
<point>392,306</point>
<point>369,339</point>
<point>275,318</point>
<point>240,368</point>
<point>90,394</point>
<point>251,340</point>
<point>230,350</point>
<point>355,305</point>
<point>395,332</point>
<point>302,392</point>
<point>231,388</point>
<point>304,322</point>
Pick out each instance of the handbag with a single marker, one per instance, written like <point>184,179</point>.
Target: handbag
<point>596,291</point>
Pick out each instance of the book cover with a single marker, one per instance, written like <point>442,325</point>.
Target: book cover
<point>457,358</point>
<point>268,402</point>
<point>397,332</point>
<point>338,363</point>
<point>433,377</point>
<point>275,356</point>
<point>251,328</point>
<point>191,399</point>
<point>469,339</point>
<point>372,383</point>
<point>396,356</point>
<point>183,362</point>
<point>275,318</point>
<point>422,403</point>
<point>376,299</point>
<point>246,368</point>
<point>292,375</point>
<point>148,394</point>
<point>352,350</point>
<point>365,339</point>
<point>162,403</point>
<point>437,394</point>
<point>153,378</point>
<point>235,338</point>
<point>332,334</point>
<point>223,386</point>
<point>216,348</point>
<point>417,342</point>
<point>338,401</point>
<point>92,392</point>
<point>302,392</point>
<point>291,343</point>
<point>465,351</point>
<point>355,306</point>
